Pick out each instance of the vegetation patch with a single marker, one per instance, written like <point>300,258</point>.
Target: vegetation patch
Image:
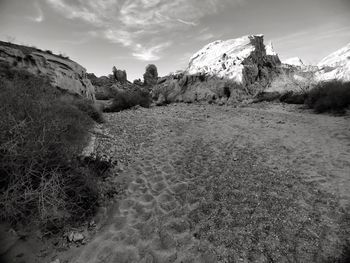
<point>333,96</point>
<point>128,98</point>
<point>43,131</point>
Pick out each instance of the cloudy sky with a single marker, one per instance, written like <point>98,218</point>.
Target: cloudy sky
<point>133,33</point>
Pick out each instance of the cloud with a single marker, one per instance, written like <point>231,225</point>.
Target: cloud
<point>40,17</point>
<point>131,22</point>
<point>151,53</point>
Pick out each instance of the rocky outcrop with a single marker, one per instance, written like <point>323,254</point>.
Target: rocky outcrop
<point>227,71</point>
<point>120,75</point>
<point>242,60</point>
<point>336,66</point>
<point>295,62</point>
<point>63,73</point>
<point>150,77</point>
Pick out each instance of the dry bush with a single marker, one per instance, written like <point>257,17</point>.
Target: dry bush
<point>125,99</point>
<point>332,96</point>
<point>41,135</point>
<point>87,106</point>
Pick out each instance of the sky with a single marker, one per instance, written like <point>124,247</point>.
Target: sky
<point>130,34</point>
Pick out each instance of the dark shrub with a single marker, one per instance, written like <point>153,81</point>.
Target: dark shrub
<point>89,108</point>
<point>40,137</point>
<point>333,96</point>
<point>125,99</point>
<point>292,97</point>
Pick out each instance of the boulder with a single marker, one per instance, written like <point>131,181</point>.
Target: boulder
<point>63,73</point>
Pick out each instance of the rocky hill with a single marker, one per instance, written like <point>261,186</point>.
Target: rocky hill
<point>224,71</point>
<point>63,73</point>
<point>335,66</point>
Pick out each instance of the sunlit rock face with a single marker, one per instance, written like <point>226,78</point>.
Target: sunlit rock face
<point>336,66</point>
<point>243,60</point>
<point>295,61</point>
<point>222,72</point>
<point>63,73</point>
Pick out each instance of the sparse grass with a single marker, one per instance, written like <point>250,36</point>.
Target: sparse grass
<point>125,99</point>
<point>41,135</point>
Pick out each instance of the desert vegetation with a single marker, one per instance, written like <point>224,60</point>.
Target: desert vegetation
<point>43,131</point>
<point>328,96</point>
<point>127,98</point>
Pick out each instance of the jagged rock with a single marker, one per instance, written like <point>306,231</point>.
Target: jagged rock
<point>138,82</point>
<point>233,69</point>
<point>63,73</point>
<point>295,61</point>
<point>243,60</point>
<point>150,77</point>
<point>336,66</point>
<point>120,75</point>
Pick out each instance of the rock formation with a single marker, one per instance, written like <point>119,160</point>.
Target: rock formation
<point>295,62</point>
<point>336,66</point>
<point>120,75</point>
<point>63,73</point>
<point>243,60</point>
<point>234,69</point>
<point>150,77</point>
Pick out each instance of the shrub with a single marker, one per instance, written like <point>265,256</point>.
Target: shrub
<point>86,106</point>
<point>292,97</point>
<point>332,96</point>
<point>125,99</point>
<point>41,135</point>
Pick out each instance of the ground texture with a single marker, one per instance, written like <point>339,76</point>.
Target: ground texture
<point>203,183</point>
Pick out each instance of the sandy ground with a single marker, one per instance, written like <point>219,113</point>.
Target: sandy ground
<point>261,183</point>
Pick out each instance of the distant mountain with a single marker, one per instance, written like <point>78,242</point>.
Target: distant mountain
<point>335,65</point>
<point>295,61</point>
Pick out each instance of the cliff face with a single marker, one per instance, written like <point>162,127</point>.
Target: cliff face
<point>335,66</point>
<point>222,71</point>
<point>243,60</point>
<point>64,73</point>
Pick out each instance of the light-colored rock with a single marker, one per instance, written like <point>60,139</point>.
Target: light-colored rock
<point>335,66</point>
<point>243,60</point>
<point>234,69</point>
<point>75,237</point>
<point>270,51</point>
<point>295,61</point>
<point>63,73</point>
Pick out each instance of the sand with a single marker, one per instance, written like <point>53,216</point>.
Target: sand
<point>262,183</point>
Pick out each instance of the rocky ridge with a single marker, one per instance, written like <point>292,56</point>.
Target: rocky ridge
<point>335,66</point>
<point>63,73</point>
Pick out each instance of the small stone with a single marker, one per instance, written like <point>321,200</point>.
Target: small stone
<point>56,261</point>
<point>75,237</point>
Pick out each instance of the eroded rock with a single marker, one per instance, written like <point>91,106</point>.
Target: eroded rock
<point>63,73</point>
